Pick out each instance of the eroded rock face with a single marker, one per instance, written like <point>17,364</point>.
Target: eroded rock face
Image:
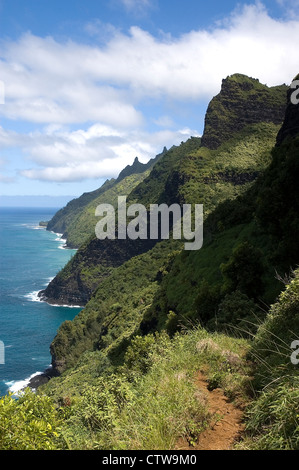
<point>93,262</point>
<point>242,101</point>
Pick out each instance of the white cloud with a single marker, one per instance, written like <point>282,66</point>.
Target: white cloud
<point>70,84</point>
<point>47,81</point>
<point>97,152</point>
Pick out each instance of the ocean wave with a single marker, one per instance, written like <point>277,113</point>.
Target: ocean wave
<point>31,226</point>
<point>16,386</point>
<point>57,234</point>
<point>64,306</point>
<point>49,279</point>
<point>33,296</point>
<point>61,240</point>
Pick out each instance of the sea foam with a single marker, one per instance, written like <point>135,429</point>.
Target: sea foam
<point>33,296</point>
<point>17,386</point>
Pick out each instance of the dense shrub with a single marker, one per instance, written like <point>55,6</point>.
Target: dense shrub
<point>31,422</point>
<point>244,271</point>
<point>238,314</point>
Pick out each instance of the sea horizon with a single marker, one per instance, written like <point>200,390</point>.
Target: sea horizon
<point>30,258</point>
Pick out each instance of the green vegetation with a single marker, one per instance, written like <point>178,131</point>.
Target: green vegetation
<point>77,221</point>
<point>158,316</point>
<point>82,227</point>
<point>273,420</point>
<point>232,108</point>
<point>151,400</point>
<point>30,423</point>
<point>186,174</point>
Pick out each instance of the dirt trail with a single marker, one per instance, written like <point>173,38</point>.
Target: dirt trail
<point>226,424</point>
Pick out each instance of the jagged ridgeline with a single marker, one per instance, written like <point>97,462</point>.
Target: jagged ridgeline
<point>77,220</point>
<point>163,286</point>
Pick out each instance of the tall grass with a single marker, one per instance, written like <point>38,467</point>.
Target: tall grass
<point>153,400</point>
<point>273,418</point>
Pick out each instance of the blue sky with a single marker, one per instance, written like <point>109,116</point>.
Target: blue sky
<point>89,85</point>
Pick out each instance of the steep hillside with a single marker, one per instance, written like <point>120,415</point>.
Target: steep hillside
<point>96,259</point>
<point>190,173</point>
<point>241,101</point>
<point>81,226</point>
<point>162,288</point>
<point>76,221</point>
<point>168,329</point>
<point>249,244</point>
<point>186,174</point>
<point>64,216</point>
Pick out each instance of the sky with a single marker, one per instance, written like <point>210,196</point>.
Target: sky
<point>86,86</point>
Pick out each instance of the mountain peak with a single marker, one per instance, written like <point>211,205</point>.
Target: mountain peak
<point>242,101</point>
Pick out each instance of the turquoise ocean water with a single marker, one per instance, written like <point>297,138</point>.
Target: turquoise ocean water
<point>29,257</point>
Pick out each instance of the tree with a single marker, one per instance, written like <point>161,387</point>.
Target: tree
<point>244,271</point>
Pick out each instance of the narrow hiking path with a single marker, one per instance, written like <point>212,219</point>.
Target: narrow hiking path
<point>226,424</point>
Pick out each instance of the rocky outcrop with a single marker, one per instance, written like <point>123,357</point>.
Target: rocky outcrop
<point>92,263</point>
<point>138,167</point>
<point>61,220</point>
<point>242,101</point>
<point>232,177</point>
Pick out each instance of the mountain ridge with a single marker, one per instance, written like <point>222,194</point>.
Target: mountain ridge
<point>202,174</point>
<point>168,328</point>
<point>241,101</point>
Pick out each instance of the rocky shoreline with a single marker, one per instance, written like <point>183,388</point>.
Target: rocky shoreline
<point>41,379</point>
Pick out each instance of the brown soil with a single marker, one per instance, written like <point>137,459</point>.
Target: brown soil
<point>226,424</point>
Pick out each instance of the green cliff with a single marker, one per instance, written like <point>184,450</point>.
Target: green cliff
<point>189,173</point>
<point>161,323</point>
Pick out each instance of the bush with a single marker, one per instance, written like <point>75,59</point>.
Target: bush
<point>31,422</point>
<point>172,323</point>
<point>273,420</point>
<point>244,271</point>
<point>239,312</point>
<point>138,355</point>
<point>207,301</point>
<point>272,345</point>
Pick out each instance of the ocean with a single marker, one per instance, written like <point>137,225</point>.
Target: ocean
<point>30,257</point>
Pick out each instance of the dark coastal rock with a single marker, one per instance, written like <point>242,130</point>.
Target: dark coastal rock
<point>42,379</point>
<point>74,285</point>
